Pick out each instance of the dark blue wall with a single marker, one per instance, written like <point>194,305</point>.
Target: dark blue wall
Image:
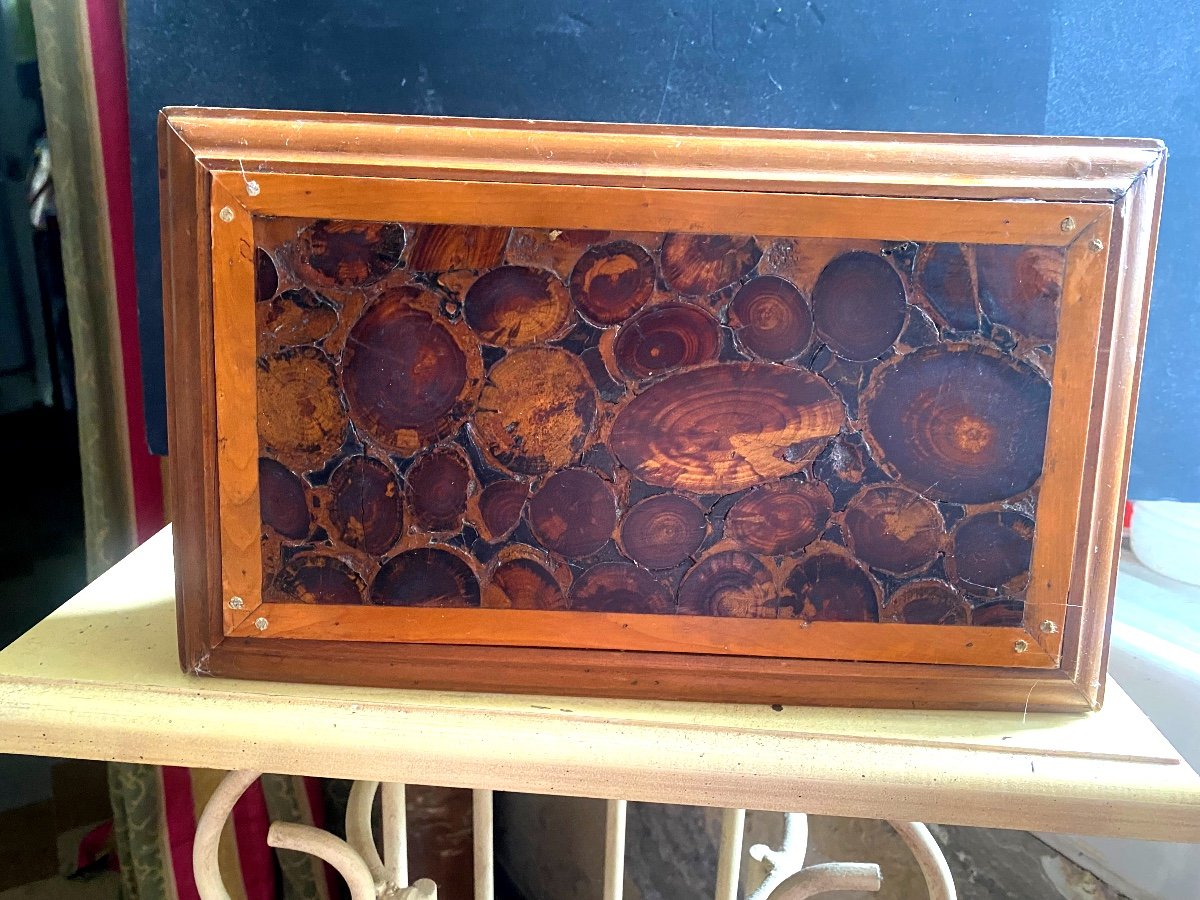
<point>1069,67</point>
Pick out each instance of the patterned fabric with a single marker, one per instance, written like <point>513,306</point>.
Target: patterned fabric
<point>155,810</point>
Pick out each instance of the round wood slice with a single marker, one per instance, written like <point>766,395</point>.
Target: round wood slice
<point>1020,287</point>
<point>410,374</point>
<point>894,529</point>
<point>301,417</point>
<point>438,484</point>
<point>620,587</point>
<point>365,507</point>
<point>958,423</point>
<point>725,427</point>
<point>662,531</point>
<point>515,305</point>
<point>699,264</point>
<point>667,337</point>
<point>536,410</point>
<point>729,583</point>
<point>296,317</point>
<point>500,506</point>
<point>574,513</point>
<point>312,577</point>
<point>944,276</point>
<point>828,585</point>
<point>612,281</point>
<point>266,275</point>
<point>426,576</point>
<point>349,254</point>
<point>523,583</point>
<point>779,518</point>
<point>283,500</point>
<point>926,602</point>
<point>771,318</point>
<point>993,549</point>
<point>859,305</point>
<point>445,248</point>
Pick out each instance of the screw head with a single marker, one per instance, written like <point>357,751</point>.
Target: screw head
<point>236,603</point>
<point>1049,627</point>
<point>226,214</point>
<point>260,623</point>
<point>1020,646</point>
<point>1096,245</point>
<point>1067,224</point>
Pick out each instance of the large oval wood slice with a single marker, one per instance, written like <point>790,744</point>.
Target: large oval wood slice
<point>523,583</point>
<point>302,419</point>
<point>929,601</point>
<point>365,506</point>
<point>500,506</point>
<point>667,337</point>
<point>780,518</point>
<point>574,513</point>
<point>1020,287</point>
<point>349,254</point>
<point>993,549</point>
<point>428,577</point>
<point>445,248</point>
<point>828,585</point>
<point>859,305</point>
<point>296,317</point>
<point>726,427</point>
<point>945,278</point>
<point>620,587</point>
<point>266,275</point>
<point>958,423</point>
<point>729,583</point>
<point>438,484</point>
<point>410,375</point>
<point>612,281</point>
<point>313,577</point>
<point>771,318</point>
<point>515,305</point>
<point>699,264</point>
<point>894,529</point>
<point>283,500</point>
<point>662,531</point>
<point>536,410</point>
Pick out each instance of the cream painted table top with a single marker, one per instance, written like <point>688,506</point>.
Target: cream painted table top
<point>99,679</point>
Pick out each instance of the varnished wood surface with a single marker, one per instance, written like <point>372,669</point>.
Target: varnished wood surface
<point>97,679</point>
<point>310,173</point>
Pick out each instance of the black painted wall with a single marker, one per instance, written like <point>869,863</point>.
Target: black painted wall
<point>1102,67</point>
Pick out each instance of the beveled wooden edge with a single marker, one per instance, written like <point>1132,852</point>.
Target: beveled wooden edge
<point>184,207</point>
<point>1132,243</point>
<point>864,163</point>
<point>771,638</point>
<point>648,675</point>
<point>195,143</point>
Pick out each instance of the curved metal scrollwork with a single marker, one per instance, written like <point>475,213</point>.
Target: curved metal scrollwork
<point>374,877</point>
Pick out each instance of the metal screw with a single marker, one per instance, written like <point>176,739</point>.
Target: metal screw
<point>260,623</point>
<point>1049,627</point>
<point>236,602</point>
<point>1067,224</point>
<point>252,188</point>
<point>226,214</point>
<point>1096,245</point>
<point>1019,646</point>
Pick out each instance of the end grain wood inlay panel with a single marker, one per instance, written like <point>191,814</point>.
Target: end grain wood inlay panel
<point>705,425</point>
